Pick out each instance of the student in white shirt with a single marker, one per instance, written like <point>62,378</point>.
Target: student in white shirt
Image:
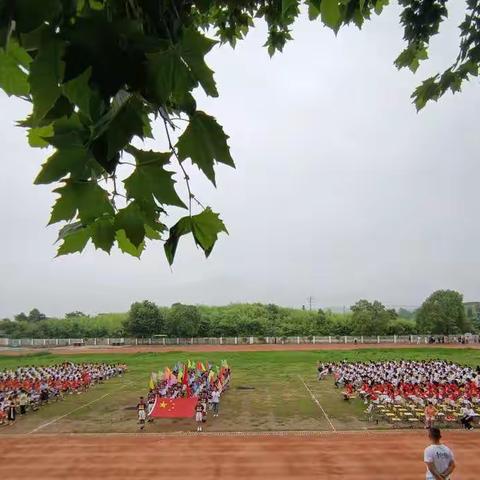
<point>215,401</point>
<point>438,458</point>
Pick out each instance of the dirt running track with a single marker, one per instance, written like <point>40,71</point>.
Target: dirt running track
<point>358,456</point>
<point>222,348</point>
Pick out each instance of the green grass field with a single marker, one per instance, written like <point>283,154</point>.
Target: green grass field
<point>278,397</point>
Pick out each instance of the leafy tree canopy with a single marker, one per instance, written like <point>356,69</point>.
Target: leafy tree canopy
<point>98,73</point>
<point>371,318</point>
<point>35,315</point>
<point>443,313</point>
<point>21,317</point>
<point>183,320</point>
<point>75,314</point>
<point>144,319</point>
<point>406,314</point>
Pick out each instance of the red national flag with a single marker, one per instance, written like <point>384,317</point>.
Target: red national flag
<point>174,407</point>
<point>185,375</point>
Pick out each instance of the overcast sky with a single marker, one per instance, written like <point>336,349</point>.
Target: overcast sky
<point>342,191</point>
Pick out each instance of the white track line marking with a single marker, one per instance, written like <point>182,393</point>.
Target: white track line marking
<point>315,399</point>
<point>75,410</point>
<point>260,433</point>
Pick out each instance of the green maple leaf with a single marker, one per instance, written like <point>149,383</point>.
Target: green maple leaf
<point>289,7</point>
<point>330,12</point>
<point>205,228</point>
<point>428,90</point>
<point>193,48</point>
<point>78,91</point>
<point>125,119</point>
<point>204,142</point>
<point>182,227</point>
<point>150,179</point>
<point>37,136</point>
<point>131,220</point>
<point>168,76</point>
<point>18,53</point>
<point>411,57</point>
<point>103,233</point>
<point>46,74</point>
<point>75,237</point>
<point>126,124</point>
<point>63,162</point>
<point>379,4</point>
<point>30,15</point>
<point>90,200</point>
<point>126,246</point>
<point>313,9</point>
<point>13,80</point>
<point>154,233</point>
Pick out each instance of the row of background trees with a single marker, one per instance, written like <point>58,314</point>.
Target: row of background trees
<point>442,312</point>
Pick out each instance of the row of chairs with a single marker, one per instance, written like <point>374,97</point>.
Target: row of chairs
<point>413,415</point>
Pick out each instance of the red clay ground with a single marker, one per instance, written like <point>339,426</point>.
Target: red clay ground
<point>356,456</point>
<point>223,348</point>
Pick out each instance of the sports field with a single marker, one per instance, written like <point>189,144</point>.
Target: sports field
<point>275,408</point>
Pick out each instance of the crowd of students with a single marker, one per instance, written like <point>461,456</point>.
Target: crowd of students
<point>204,381</point>
<point>27,388</point>
<point>427,385</point>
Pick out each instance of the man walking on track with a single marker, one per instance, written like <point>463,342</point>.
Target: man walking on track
<point>438,458</point>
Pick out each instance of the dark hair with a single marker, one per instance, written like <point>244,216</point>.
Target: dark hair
<point>435,433</point>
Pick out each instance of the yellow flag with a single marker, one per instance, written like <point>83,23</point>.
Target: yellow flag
<point>151,384</point>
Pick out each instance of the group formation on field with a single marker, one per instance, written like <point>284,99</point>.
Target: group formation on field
<point>186,390</point>
<point>25,389</point>
<point>432,392</point>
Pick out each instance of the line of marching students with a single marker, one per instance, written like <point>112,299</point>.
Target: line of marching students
<point>185,380</point>
<point>27,388</point>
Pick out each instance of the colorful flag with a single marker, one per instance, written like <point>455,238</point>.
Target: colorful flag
<point>174,407</point>
<point>151,384</point>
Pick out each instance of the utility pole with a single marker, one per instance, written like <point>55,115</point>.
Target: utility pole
<point>310,301</point>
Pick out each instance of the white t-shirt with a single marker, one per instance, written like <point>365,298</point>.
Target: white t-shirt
<point>440,455</point>
<point>216,396</point>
